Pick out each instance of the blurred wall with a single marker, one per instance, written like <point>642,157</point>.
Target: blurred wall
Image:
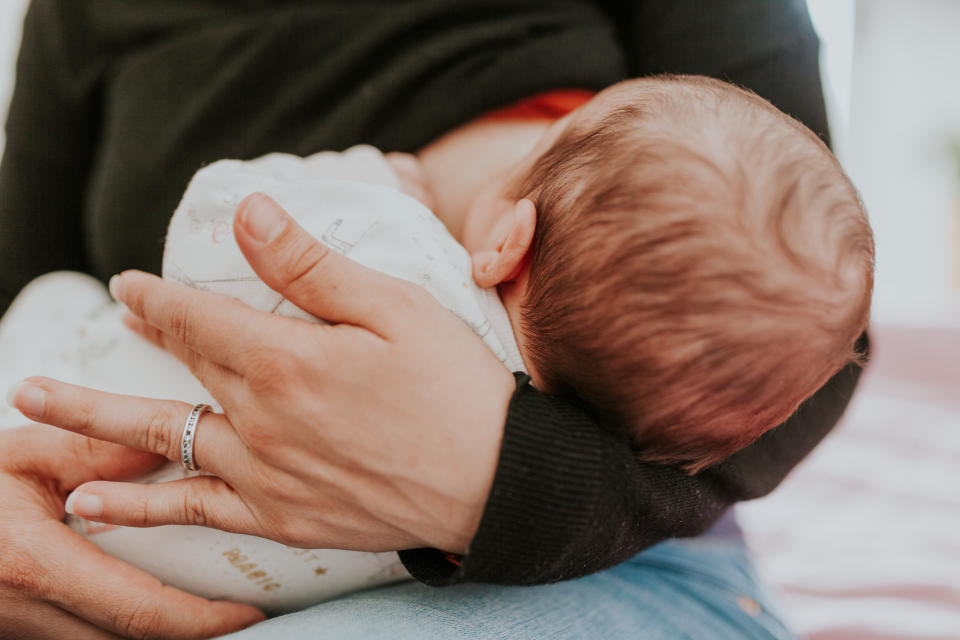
<point>834,22</point>
<point>904,110</point>
<point>11,18</point>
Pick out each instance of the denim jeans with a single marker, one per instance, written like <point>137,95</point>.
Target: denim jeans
<point>693,588</point>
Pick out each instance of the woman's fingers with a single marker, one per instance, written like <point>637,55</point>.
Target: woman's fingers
<point>315,278</point>
<point>225,385</point>
<point>141,423</point>
<point>76,576</point>
<point>213,325</point>
<point>38,619</point>
<point>204,501</point>
<point>73,459</point>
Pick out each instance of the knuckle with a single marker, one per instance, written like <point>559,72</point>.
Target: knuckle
<point>304,259</point>
<point>192,510</point>
<point>266,371</point>
<point>193,361</point>
<point>85,418</point>
<point>135,300</point>
<point>156,436</point>
<point>262,441</point>
<point>139,513</point>
<point>178,321</point>
<point>83,448</point>
<point>197,365</point>
<point>141,621</point>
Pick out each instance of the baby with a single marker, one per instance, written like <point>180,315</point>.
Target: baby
<point>684,257</point>
<point>676,252</point>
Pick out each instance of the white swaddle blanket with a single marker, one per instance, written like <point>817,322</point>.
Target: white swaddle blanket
<point>65,325</point>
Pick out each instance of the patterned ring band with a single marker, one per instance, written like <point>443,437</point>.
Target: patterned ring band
<point>189,431</point>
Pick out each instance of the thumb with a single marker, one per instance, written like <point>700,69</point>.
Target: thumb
<point>314,277</point>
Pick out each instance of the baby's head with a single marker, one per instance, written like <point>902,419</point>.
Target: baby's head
<point>684,257</point>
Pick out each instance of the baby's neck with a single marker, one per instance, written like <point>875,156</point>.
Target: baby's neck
<point>458,164</point>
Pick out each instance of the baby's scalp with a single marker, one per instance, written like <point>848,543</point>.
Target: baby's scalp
<point>701,265</point>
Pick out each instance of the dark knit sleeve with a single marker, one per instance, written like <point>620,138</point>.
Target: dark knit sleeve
<point>767,46</point>
<point>569,497</point>
<point>50,130</point>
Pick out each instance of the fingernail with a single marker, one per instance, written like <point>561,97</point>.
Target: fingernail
<point>263,219</point>
<point>84,504</point>
<point>32,400</point>
<point>12,391</point>
<point>116,289</point>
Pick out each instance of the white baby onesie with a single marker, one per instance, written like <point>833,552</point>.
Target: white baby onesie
<point>65,326</point>
<point>350,202</point>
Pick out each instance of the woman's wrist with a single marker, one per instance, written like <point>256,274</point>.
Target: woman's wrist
<point>552,457</point>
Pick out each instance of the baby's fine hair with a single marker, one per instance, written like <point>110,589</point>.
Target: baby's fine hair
<point>701,265</point>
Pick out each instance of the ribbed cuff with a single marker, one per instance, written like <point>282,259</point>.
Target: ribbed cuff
<point>554,474</point>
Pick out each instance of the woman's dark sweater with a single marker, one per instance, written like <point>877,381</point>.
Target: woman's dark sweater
<point>117,104</point>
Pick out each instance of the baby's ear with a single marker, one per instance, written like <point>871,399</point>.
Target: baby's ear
<point>508,259</point>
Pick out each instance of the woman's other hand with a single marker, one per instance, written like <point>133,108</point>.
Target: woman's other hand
<point>378,432</point>
<point>56,584</point>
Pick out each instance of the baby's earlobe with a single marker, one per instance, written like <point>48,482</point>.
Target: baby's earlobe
<point>484,268</point>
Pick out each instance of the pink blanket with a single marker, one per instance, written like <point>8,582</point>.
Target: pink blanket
<point>863,539</point>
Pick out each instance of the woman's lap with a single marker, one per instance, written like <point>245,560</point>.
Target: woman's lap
<point>697,588</point>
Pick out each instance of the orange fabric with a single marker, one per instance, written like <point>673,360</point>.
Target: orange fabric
<point>453,558</point>
<point>550,105</point>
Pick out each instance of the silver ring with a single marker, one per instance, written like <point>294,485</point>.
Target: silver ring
<point>189,431</point>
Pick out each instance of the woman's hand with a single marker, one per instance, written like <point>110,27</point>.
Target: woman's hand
<point>56,584</point>
<point>378,432</point>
